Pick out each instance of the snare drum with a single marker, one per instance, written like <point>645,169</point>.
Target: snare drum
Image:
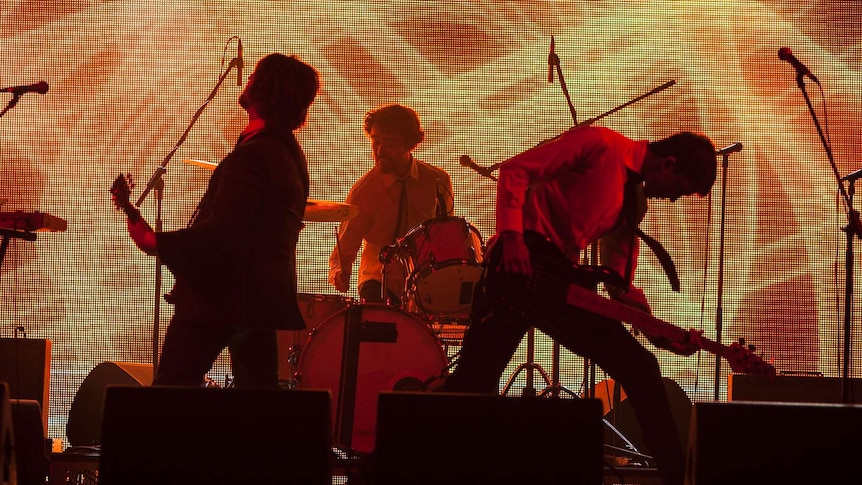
<point>402,354</point>
<point>443,260</point>
<point>315,309</point>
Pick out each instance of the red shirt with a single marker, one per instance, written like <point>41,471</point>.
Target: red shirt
<point>571,190</point>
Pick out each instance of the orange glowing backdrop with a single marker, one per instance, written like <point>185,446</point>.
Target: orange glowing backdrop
<point>126,78</point>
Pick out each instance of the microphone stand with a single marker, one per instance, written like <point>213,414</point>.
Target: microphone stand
<point>12,103</point>
<point>720,290</point>
<point>157,183</point>
<point>853,228</point>
<point>590,121</point>
<point>554,61</point>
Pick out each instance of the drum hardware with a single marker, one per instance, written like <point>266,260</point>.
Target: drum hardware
<point>346,400</point>
<point>387,254</point>
<point>528,367</point>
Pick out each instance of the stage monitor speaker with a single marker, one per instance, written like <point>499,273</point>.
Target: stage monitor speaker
<point>202,436</point>
<point>433,438</point>
<point>25,364</point>
<point>31,442</point>
<point>766,443</point>
<point>8,457</point>
<point>790,388</point>
<point>84,425</point>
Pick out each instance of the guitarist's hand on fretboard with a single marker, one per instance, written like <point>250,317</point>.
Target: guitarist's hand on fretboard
<point>690,344</point>
<point>141,232</point>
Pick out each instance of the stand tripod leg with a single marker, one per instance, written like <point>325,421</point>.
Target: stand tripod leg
<point>529,366</point>
<point>554,387</point>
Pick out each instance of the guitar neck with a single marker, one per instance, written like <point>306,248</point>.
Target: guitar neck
<point>586,299</point>
<point>131,211</point>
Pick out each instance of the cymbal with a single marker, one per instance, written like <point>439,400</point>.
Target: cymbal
<point>327,211</point>
<point>201,163</point>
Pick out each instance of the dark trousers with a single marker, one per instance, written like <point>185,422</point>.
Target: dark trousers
<point>495,333</point>
<point>370,292</point>
<point>192,346</point>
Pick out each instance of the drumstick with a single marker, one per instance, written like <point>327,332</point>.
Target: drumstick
<point>338,249</point>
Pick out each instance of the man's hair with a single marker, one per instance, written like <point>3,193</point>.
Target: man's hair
<point>397,119</point>
<point>282,89</point>
<point>695,158</point>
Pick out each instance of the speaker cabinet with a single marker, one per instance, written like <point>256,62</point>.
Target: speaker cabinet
<point>791,388</point>
<point>8,457</point>
<point>765,443</point>
<point>25,364</point>
<point>31,442</point>
<point>202,436</point>
<point>433,438</point>
<point>84,425</point>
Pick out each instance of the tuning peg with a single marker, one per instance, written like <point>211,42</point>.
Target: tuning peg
<point>742,341</point>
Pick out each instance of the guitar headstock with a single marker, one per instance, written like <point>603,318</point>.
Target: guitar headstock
<point>120,191</point>
<point>742,359</point>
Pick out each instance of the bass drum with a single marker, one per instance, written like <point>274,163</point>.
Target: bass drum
<point>315,310</point>
<point>398,351</point>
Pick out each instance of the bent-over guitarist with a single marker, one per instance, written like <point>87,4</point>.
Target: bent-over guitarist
<point>590,184</point>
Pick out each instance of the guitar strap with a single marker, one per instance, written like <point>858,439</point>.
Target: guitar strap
<point>630,208</point>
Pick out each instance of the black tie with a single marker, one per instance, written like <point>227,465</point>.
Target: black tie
<point>630,204</point>
<point>402,210</point>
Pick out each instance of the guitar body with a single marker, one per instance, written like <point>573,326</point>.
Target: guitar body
<point>546,289</point>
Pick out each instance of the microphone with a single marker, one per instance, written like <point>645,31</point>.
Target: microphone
<point>239,63</point>
<point>853,175</point>
<point>551,62</point>
<point>40,87</point>
<point>733,148</point>
<point>441,201</point>
<point>466,161</point>
<point>785,54</point>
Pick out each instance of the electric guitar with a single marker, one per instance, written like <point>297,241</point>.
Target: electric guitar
<point>556,280</point>
<point>120,191</point>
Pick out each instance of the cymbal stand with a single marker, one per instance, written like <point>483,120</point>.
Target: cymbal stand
<point>554,387</point>
<point>528,367</point>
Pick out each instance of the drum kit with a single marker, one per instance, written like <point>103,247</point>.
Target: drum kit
<point>357,349</point>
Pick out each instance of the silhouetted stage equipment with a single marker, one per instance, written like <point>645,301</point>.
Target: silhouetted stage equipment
<point>619,412</point>
<point>31,221</point>
<point>32,446</point>
<point>437,437</point>
<point>766,443</point>
<point>8,456</point>
<point>84,425</point>
<point>790,388</point>
<point>25,365</point>
<point>191,436</point>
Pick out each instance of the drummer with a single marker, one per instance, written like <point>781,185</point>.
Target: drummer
<point>398,193</point>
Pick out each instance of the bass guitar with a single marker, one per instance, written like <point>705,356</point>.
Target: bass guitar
<point>555,280</point>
